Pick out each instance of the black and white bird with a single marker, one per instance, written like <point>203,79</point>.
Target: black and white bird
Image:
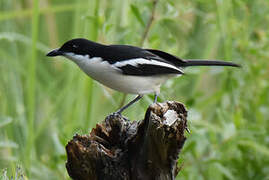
<point>128,69</point>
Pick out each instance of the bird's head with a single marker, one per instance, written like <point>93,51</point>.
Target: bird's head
<point>74,47</point>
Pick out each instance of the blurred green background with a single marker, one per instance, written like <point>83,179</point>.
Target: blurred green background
<point>44,102</point>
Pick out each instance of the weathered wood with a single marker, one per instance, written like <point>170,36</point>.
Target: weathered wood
<point>131,150</point>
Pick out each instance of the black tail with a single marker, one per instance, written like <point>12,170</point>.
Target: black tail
<point>192,62</point>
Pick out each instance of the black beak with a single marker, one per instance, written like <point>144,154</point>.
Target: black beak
<point>55,52</point>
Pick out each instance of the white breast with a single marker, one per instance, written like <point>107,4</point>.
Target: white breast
<point>111,77</point>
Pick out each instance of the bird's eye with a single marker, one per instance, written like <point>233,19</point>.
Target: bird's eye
<point>75,46</point>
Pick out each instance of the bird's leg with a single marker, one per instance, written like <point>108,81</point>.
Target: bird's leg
<point>155,98</point>
<point>129,104</point>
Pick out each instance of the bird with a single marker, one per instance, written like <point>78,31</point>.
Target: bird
<point>128,69</point>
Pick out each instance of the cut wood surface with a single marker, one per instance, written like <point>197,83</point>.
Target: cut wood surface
<point>122,149</point>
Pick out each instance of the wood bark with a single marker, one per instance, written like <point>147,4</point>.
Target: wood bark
<point>131,150</point>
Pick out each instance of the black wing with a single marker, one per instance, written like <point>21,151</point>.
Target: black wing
<point>131,60</point>
<point>147,70</point>
<point>168,57</point>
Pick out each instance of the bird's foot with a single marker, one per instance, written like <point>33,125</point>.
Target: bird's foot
<point>116,114</point>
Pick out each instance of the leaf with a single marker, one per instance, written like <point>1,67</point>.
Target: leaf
<point>137,14</point>
<point>3,175</point>
<point>171,25</point>
<point>255,146</point>
<point>8,144</point>
<point>225,171</point>
<point>5,121</point>
<point>11,36</point>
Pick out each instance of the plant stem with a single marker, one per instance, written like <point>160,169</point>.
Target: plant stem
<point>31,86</point>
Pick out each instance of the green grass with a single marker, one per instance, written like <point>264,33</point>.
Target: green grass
<point>44,102</point>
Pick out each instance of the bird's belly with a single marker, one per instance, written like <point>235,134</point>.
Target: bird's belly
<point>112,78</point>
<point>132,84</point>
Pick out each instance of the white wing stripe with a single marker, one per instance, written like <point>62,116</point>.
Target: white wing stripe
<point>137,61</point>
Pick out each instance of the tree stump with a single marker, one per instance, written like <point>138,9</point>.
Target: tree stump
<point>120,149</point>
